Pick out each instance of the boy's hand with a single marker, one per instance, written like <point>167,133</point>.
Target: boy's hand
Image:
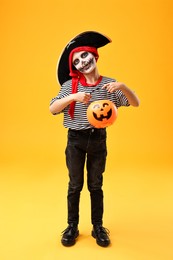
<point>82,97</point>
<point>112,86</point>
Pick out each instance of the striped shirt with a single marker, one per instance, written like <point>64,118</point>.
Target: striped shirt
<point>80,122</point>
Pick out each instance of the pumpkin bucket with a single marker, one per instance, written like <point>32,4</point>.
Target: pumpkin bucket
<point>102,113</point>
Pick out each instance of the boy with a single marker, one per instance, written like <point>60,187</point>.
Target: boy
<point>78,74</point>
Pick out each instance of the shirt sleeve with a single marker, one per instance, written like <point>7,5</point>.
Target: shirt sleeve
<point>121,99</point>
<point>64,92</point>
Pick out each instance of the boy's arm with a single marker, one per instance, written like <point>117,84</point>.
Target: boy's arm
<point>59,104</point>
<point>131,96</point>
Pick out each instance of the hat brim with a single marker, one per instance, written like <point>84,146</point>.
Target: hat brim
<point>88,38</point>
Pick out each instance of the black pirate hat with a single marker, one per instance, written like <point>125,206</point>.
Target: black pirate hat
<point>88,38</point>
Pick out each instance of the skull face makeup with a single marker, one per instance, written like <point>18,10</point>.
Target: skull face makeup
<point>84,61</point>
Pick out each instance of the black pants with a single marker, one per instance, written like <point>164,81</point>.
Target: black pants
<point>86,146</point>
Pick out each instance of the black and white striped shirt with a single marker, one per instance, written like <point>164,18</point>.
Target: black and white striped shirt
<point>80,122</point>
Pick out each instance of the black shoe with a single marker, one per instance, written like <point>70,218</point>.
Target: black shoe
<point>101,235</point>
<point>69,235</point>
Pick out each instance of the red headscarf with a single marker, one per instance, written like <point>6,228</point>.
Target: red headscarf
<point>76,75</point>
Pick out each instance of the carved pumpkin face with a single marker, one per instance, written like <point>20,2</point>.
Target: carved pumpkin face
<point>101,113</point>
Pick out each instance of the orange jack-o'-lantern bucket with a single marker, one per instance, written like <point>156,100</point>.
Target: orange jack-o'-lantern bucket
<point>102,113</point>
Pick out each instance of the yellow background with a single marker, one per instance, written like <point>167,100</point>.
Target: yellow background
<point>138,179</point>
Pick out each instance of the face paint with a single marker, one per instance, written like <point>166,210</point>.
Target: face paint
<point>84,61</point>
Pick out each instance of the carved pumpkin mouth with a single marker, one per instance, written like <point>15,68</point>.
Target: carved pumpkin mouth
<point>101,117</point>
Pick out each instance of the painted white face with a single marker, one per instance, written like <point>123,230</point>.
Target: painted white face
<point>84,61</point>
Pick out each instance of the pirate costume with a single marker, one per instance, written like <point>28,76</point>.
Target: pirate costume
<point>85,143</point>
